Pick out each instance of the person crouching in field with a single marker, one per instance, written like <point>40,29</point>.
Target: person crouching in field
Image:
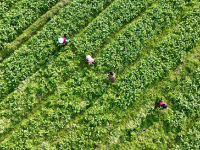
<point>111,76</point>
<point>90,60</point>
<point>63,41</point>
<point>162,104</point>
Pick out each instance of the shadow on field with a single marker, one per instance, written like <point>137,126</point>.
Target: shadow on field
<point>156,115</point>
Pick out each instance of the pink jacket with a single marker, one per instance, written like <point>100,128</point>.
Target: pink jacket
<point>161,103</point>
<point>89,59</point>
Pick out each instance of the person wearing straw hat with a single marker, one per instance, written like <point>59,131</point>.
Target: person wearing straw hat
<point>111,76</point>
<point>63,41</point>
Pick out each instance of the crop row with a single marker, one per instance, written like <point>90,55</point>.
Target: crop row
<point>141,37</point>
<point>31,30</point>
<point>36,44</point>
<point>79,96</point>
<point>185,102</point>
<point>55,73</point>
<point>58,111</point>
<point>113,106</point>
<point>27,59</point>
<point>20,102</point>
<point>163,58</point>
<point>20,17</point>
<point>189,139</point>
<point>5,6</point>
<point>50,71</point>
<point>99,120</point>
<point>104,29</point>
<point>61,75</point>
<point>176,120</point>
<point>146,127</point>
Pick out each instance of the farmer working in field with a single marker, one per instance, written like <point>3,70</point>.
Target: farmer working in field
<point>111,76</point>
<point>162,104</point>
<point>63,41</point>
<point>90,59</point>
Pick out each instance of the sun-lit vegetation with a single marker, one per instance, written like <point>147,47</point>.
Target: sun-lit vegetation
<point>50,98</point>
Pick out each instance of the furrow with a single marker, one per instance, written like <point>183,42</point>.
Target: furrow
<point>120,104</point>
<point>152,47</point>
<point>32,30</point>
<point>23,14</point>
<point>160,90</point>
<point>39,102</point>
<point>31,57</point>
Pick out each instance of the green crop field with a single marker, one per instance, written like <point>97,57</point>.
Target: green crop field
<point>51,98</point>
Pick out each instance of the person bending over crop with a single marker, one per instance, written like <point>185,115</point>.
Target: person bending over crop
<point>90,59</point>
<point>162,104</point>
<point>111,76</point>
<point>63,41</point>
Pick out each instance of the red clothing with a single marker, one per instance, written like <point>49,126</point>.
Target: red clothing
<point>64,41</point>
<point>161,104</point>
